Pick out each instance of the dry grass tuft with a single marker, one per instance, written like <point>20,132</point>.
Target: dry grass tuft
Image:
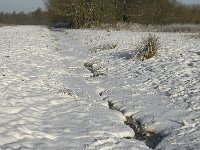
<point>151,46</point>
<point>148,48</point>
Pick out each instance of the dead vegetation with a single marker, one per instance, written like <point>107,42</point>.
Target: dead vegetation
<point>103,47</point>
<point>94,69</point>
<point>66,91</point>
<point>148,48</point>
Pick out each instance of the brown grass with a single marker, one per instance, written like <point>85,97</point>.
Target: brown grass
<point>150,47</point>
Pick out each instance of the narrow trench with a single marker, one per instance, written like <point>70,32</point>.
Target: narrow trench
<point>150,138</point>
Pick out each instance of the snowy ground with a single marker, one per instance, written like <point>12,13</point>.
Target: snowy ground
<point>49,98</point>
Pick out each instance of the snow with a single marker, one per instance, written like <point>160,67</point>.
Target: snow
<point>162,93</point>
<point>76,89</point>
<point>45,101</point>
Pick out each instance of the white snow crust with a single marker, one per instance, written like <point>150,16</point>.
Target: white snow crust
<point>163,93</point>
<point>49,99</point>
<point>45,101</point>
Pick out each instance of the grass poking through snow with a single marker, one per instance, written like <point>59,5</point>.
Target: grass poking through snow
<point>148,48</point>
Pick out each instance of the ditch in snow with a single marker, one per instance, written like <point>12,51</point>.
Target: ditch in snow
<point>150,138</point>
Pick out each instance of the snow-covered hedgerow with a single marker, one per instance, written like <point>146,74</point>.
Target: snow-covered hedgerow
<point>180,28</point>
<point>149,28</point>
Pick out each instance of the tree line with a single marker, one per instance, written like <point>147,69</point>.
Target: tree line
<point>84,13</point>
<point>37,17</point>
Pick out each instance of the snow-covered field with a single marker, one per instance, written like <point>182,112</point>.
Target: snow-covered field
<point>52,97</point>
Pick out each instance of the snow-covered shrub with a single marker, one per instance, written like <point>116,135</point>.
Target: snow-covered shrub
<point>148,48</point>
<point>94,69</point>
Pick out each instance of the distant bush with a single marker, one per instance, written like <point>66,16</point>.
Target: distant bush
<point>148,48</point>
<point>37,17</point>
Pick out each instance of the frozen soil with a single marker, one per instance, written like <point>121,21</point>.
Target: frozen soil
<point>80,89</point>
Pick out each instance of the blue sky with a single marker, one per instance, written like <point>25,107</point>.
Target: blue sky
<point>30,5</point>
<point>20,5</point>
<point>190,1</point>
